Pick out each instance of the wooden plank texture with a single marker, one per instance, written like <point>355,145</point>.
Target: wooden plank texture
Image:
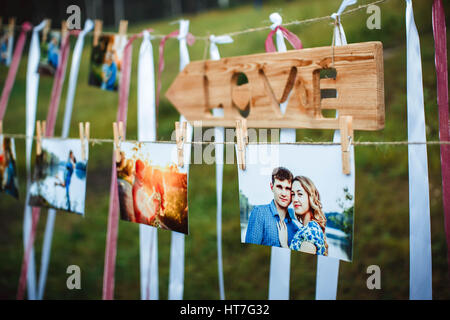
<point>252,87</point>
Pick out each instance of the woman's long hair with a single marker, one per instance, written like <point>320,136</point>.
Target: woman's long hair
<point>315,205</point>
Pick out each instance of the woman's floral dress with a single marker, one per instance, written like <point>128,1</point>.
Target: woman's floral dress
<point>313,233</point>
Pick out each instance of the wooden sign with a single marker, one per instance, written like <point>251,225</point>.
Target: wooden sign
<point>347,78</point>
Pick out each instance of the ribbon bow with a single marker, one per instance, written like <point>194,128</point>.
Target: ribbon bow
<point>345,3</point>
<point>214,41</point>
<point>276,20</point>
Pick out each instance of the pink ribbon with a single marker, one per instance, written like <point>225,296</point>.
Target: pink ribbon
<point>190,39</point>
<point>26,26</point>
<point>440,42</point>
<point>111,237</point>
<point>26,257</point>
<point>113,215</point>
<point>51,120</point>
<point>289,36</point>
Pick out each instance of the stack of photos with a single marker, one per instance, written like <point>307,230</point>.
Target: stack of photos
<point>296,196</point>
<point>59,179</point>
<point>50,52</point>
<point>6,47</point>
<point>152,188</point>
<point>106,58</point>
<point>8,168</point>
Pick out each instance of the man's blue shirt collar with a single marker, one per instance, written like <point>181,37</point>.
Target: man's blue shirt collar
<point>274,211</point>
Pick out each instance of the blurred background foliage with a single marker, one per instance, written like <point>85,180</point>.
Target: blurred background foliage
<point>381,220</point>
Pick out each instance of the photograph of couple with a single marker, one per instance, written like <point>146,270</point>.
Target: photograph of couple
<point>106,60</point>
<point>6,47</point>
<point>303,203</point>
<point>50,50</point>
<point>8,167</point>
<point>59,179</point>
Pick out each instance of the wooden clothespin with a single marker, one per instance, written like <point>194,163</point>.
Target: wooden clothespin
<point>87,131</point>
<point>118,138</point>
<point>97,31</point>
<point>44,128</point>
<point>121,131</point>
<point>346,129</point>
<point>12,23</point>
<point>181,134</point>
<point>244,130</point>
<point>241,140</point>
<point>38,138</point>
<point>46,30</point>
<point>1,127</point>
<point>84,138</point>
<point>81,129</point>
<point>63,29</point>
<point>123,26</point>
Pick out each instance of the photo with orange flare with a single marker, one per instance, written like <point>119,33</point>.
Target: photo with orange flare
<point>152,188</point>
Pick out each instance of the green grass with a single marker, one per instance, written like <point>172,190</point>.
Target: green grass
<point>381,209</point>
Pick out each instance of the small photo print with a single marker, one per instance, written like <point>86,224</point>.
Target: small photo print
<point>106,60</point>
<point>6,47</point>
<point>8,168</point>
<point>59,179</point>
<point>50,51</point>
<point>296,196</point>
<point>152,187</point>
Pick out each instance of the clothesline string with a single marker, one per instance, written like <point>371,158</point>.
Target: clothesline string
<point>95,141</point>
<point>249,30</point>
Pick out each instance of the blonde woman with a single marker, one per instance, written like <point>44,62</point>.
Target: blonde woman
<point>310,236</point>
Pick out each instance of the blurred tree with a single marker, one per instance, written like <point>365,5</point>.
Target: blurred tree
<point>257,4</point>
<point>223,3</point>
<point>119,12</point>
<point>175,7</point>
<point>344,221</point>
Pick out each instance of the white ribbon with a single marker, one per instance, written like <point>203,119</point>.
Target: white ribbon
<point>146,117</point>
<point>327,277</point>
<point>280,258</point>
<point>75,67</point>
<point>46,249</point>
<point>276,20</point>
<point>339,35</point>
<point>219,136</point>
<point>31,102</point>
<point>327,267</point>
<point>419,201</point>
<point>344,5</point>
<point>184,53</point>
<point>338,31</point>
<point>48,236</point>
<point>214,41</point>
<point>176,275</point>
